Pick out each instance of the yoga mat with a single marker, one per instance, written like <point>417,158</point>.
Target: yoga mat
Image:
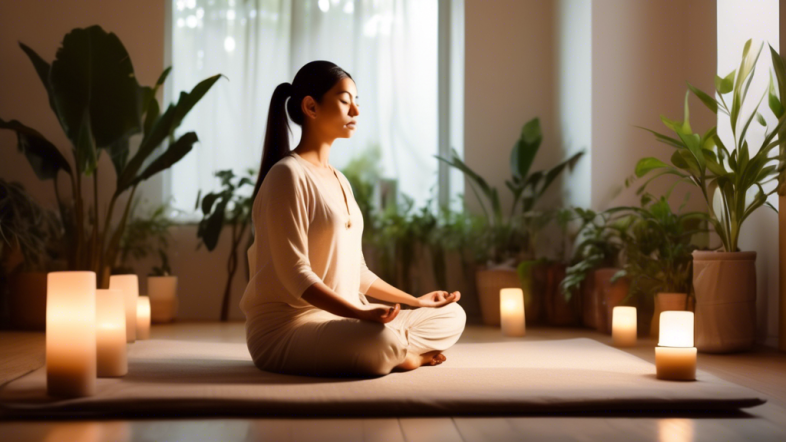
<point>186,378</point>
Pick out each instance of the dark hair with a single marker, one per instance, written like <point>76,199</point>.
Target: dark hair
<point>313,79</point>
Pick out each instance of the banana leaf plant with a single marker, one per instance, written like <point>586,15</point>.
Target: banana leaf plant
<point>92,90</point>
<point>734,182</point>
<point>511,239</point>
<point>226,207</point>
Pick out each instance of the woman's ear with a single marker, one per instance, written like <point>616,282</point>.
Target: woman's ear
<point>309,107</point>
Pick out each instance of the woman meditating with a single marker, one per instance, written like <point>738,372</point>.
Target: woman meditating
<point>305,305</point>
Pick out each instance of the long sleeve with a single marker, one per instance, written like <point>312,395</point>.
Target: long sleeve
<point>367,277</point>
<point>287,220</point>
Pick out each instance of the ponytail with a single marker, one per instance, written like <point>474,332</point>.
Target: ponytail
<point>313,79</point>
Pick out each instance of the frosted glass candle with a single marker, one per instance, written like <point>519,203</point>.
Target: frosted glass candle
<point>129,285</point>
<point>71,334</point>
<point>511,306</point>
<point>623,326</point>
<point>143,318</point>
<point>111,333</point>
<point>675,357</point>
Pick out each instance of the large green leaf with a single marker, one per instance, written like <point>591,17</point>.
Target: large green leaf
<point>726,84</point>
<point>92,77</point>
<point>523,154</point>
<point>645,165</point>
<point>172,155</point>
<point>43,156</point>
<point>706,99</point>
<point>42,68</point>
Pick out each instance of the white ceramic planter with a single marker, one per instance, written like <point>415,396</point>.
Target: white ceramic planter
<point>162,291</point>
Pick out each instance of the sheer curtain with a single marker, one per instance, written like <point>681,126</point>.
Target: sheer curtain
<point>388,46</point>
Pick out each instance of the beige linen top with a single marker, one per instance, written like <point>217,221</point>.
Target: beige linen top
<point>301,237</point>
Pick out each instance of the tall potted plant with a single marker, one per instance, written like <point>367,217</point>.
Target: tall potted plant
<point>231,207</point>
<point>734,183</point>
<point>99,104</point>
<point>509,240</point>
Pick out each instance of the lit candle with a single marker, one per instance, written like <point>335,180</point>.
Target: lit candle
<point>111,333</point>
<point>71,333</point>
<point>129,285</point>
<point>511,307</point>
<point>675,356</point>
<point>623,326</point>
<point>143,318</point>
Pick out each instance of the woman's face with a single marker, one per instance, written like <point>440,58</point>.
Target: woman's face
<point>336,116</point>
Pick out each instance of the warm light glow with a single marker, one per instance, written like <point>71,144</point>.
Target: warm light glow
<point>512,311</point>
<point>71,333</point>
<point>675,430</point>
<point>143,318</point>
<point>623,326</point>
<point>111,333</point>
<point>676,329</point>
<point>129,285</point>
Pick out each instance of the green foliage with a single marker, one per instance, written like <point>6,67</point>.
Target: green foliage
<point>732,182</point>
<point>164,269</point>
<point>512,238</point>
<point>144,235</point>
<point>658,248</point>
<point>94,93</point>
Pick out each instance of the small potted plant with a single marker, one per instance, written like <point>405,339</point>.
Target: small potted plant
<point>508,240</point>
<point>658,249</point>
<point>162,291</point>
<point>30,239</point>
<point>734,181</point>
<point>597,258</point>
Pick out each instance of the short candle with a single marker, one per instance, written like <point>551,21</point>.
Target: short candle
<point>111,333</point>
<point>143,318</point>
<point>623,326</point>
<point>675,357</point>
<point>71,333</point>
<point>511,305</point>
<point>129,285</point>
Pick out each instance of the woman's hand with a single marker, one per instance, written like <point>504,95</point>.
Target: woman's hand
<point>438,298</point>
<point>378,313</point>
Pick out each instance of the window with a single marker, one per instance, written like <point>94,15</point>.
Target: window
<point>390,47</point>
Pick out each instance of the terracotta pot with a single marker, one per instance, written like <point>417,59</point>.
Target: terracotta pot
<point>609,295</point>
<point>666,302</point>
<point>559,311</point>
<point>27,303</point>
<point>489,283</point>
<point>588,301</point>
<point>725,286</point>
<point>162,291</point>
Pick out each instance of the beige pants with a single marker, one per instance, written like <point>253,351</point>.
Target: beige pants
<point>314,342</point>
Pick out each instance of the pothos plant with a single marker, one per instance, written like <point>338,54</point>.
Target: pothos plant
<point>94,93</point>
<point>734,180</point>
<point>509,240</point>
<point>227,206</point>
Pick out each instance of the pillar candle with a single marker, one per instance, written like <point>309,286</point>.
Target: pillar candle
<point>623,326</point>
<point>111,333</point>
<point>129,285</point>
<point>675,356</point>
<point>143,318</point>
<point>71,333</point>
<point>511,305</point>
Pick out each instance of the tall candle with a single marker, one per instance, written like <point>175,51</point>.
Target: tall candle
<point>143,318</point>
<point>511,305</point>
<point>623,326</point>
<point>111,333</point>
<point>71,333</point>
<point>675,357</point>
<point>129,285</point>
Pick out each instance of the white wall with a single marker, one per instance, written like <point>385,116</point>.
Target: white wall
<point>738,21</point>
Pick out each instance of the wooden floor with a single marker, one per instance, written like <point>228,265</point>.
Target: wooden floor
<point>763,370</point>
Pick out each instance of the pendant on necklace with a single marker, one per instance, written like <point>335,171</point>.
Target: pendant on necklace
<point>348,224</point>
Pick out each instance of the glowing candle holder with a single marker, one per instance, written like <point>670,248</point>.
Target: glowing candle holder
<point>623,326</point>
<point>71,334</point>
<point>143,318</point>
<point>129,285</point>
<point>511,308</point>
<point>675,356</point>
<point>111,333</point>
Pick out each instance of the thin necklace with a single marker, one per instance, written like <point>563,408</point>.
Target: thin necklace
<point>348,224</point>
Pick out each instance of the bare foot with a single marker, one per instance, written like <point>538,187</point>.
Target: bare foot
<point>414,361</point>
